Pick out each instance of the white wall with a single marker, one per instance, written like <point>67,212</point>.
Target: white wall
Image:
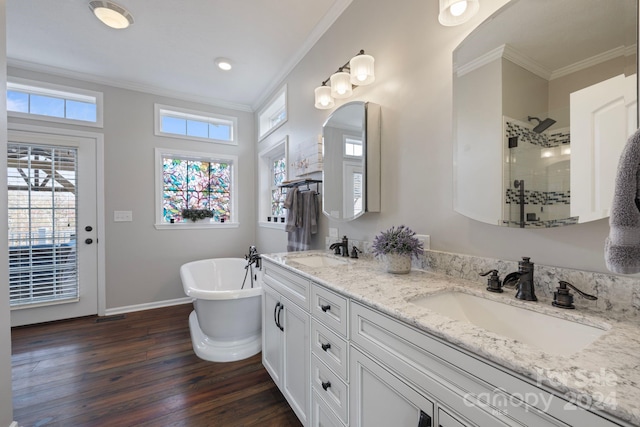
<point>413,86</point>
<point>142,263</point>
<point>6,407</point>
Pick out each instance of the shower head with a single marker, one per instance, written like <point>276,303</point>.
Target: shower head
<point>542,124</point>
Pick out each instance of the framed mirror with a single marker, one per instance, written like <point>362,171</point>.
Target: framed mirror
<point>351,161</point>
<point>545,97</point>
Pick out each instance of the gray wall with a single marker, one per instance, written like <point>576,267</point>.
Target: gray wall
<point>142,263</point>
<point>414,88</point>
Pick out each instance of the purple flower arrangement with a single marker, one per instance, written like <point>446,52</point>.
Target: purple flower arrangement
<point>398,240</point>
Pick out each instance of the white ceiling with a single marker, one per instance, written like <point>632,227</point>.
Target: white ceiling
<point>171,47</point>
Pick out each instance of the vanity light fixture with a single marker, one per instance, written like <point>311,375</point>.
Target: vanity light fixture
<point>456,12</point>
<point>111,14</point>
<point>223,63</point>
<point>324,101</point>
<point>359,71</point>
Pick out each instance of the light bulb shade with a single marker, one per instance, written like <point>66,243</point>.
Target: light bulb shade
<point>341,85</point>
<point>362,72</point>
<point>324,101</point>
<point>223,63</point>
<point>456,12</point>
<point>111,14</point>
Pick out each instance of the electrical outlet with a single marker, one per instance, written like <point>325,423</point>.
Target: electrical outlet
<point>333,232</point>
<point>425,239</point>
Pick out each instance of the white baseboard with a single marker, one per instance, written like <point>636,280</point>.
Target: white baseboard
<point>146,306</point>
<point>14,424</point>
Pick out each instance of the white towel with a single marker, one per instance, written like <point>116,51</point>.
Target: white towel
<point>622,247</point>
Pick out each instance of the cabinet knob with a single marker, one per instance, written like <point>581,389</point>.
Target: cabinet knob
<point>326,346</point>
<point>326,385</point>
<point>325,308</point>
<point>425,420</point>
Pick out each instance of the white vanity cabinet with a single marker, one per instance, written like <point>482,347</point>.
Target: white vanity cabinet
<point>380,398</point>
<point>457,382</point>
<point>341,363</point>
<point>285,335</point>
<point>329,360</point>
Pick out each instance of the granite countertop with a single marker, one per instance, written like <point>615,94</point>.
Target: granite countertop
<point>606,372</point>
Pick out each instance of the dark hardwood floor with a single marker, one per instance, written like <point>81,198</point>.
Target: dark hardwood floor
<point>136,371</point>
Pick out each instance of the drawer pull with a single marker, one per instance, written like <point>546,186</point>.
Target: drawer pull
<point>326,346</point>
<point>325,308</point>
<point>326,385</point>
<point>425,420</point>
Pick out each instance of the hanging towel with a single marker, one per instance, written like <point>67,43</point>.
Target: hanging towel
<point>291,205</point>
<point>622,246</point>
<point>305,220</point>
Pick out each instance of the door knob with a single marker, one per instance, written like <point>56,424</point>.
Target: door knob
<point>88,241</point>
<point>88,228</point>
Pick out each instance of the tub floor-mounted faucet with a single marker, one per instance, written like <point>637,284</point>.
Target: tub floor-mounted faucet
<point>253,258</point>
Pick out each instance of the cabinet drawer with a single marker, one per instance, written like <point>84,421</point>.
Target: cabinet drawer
<point>321,415</point>
<point>332,349</point>
<point>330,308</point>
<point>296,288</point>
<point>447,420</point>
<point>330,388</point>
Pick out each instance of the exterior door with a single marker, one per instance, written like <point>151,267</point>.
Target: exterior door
<point>53,257</point>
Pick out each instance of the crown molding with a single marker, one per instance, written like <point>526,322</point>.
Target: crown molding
<point>122,84</point>
<point>508,52</point>
<point>325,23</point>
<point>594,60</point>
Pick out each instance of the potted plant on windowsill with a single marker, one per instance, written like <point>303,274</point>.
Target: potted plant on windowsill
<point>396,246</point>
<point>196,214</point>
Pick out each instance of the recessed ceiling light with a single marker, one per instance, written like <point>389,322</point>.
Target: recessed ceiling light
<point>223,63</point>
<point>111,14</point>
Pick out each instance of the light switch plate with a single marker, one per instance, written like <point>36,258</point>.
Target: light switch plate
<point>333,232</point>
<point>122,216</point>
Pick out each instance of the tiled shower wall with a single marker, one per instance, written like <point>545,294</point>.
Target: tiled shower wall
<point>542,161</point>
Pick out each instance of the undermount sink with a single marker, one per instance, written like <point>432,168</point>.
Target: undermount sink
<point>548,333</point>
<point>319,260</point>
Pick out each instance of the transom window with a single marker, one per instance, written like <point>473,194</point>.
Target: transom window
<point>273,114</point>
<point>352,147</point>
<point>45,101</point>
<point>195,181</point>
<point>190,124</point>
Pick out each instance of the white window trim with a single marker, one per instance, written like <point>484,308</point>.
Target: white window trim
<point>66,92</point>
<point>346,137</point>
<point>264,181</point>
<point>159,153</point>
<point>201,116</point>
<point>269,110</point>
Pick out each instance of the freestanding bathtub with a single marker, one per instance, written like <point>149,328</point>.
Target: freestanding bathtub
<point>226,323</point>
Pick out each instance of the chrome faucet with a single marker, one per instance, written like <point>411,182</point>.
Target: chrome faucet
<point>341,248</point>
<point>522,280</point>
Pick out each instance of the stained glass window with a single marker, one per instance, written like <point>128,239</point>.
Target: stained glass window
<point>279,172</point>
<point>195,184</point>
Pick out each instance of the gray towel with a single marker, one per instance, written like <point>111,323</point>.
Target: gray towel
<point>305,221</point>
<point>622,247</point>
<point>292,206</point>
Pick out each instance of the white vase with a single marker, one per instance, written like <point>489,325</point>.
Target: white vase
<point>398,263</point>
